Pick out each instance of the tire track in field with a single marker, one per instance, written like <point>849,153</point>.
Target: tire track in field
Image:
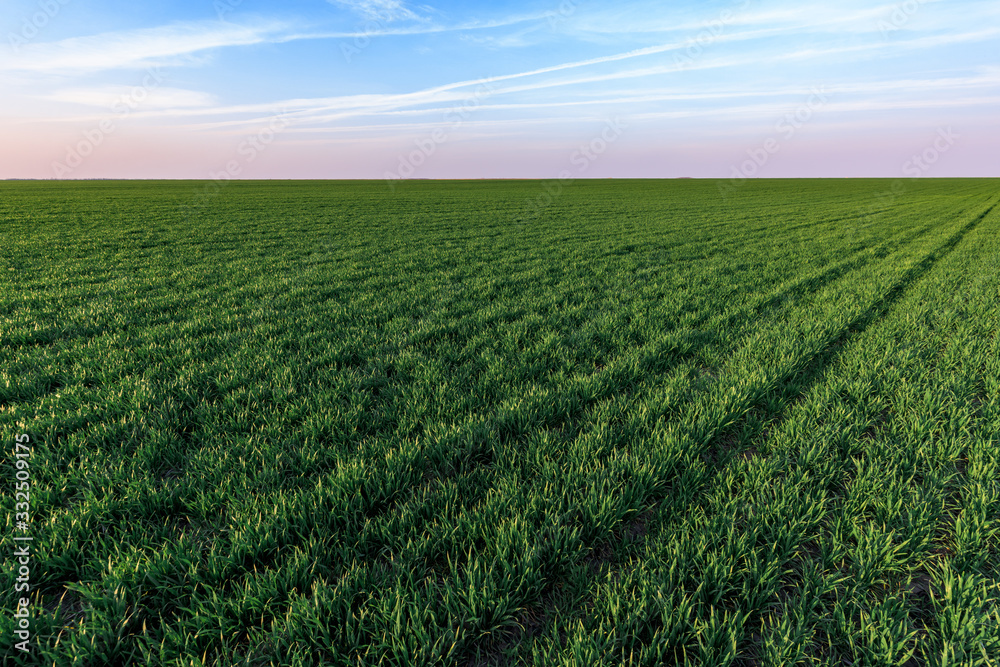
<point>814,366</point>
<point>876,435</point>
<point>873,316</point>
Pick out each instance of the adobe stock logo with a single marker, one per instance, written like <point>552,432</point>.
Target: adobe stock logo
<point>900,16</point>
<point>582,158</point>
<point>915,167</point>
<point>713,31</point>
<point>427,146</point>
<point>30,27</point>
<point>94,137</point>
<point>919,164</point>
<point>785,130</point>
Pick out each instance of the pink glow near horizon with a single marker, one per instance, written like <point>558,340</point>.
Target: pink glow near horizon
<point>38,152</point>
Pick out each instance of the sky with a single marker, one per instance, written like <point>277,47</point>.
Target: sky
<point>388,89</point>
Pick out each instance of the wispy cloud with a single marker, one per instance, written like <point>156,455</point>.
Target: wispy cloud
<point>159,98</point>
<point>380,10</point>
<point>317,111</point>
<point>766,111</point>
<point>182,43</point>
<point>720,62</point>
<point>135,49</point>
<point>421,29</point>
<point>917,89</point>
<point>794,19</point>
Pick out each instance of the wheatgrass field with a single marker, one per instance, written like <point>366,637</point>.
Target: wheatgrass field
<point>459,422</point>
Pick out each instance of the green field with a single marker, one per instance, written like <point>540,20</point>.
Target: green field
<point>304,423</point>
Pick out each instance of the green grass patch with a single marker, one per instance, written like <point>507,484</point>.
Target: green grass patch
<point>307,423</point>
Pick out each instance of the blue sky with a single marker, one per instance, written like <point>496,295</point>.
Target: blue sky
<point>388,89</point>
